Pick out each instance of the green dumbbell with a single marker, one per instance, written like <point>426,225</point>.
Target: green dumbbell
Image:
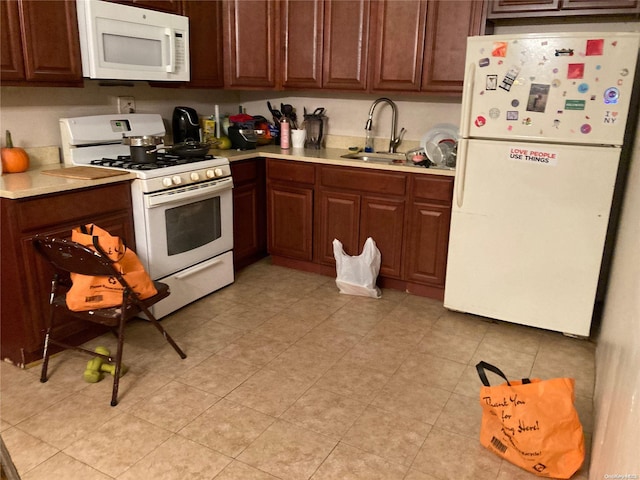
<point>110,368</point>
<point>93,373</point>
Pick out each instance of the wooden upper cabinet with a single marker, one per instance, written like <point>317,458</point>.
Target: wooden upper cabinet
<point>205,43</point>
<point>397,40</point>
<point>301,31</point>
<point>346,37</point>
<point>498,9</point>
<point>448,26</point>
<point>11,56</point>
<point>610,6</point>
<point>249,43</point>
<point>49,50</point>
<point>513,6</point>
<point>168,6</point>
<point>324,43</point>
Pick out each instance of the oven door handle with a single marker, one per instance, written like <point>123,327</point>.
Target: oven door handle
<point>197,268</point>
<point>188,193</point>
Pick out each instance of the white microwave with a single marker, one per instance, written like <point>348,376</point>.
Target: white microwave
<point>120,42</point>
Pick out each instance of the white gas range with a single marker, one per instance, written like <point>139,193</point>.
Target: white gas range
<point>182,206</point>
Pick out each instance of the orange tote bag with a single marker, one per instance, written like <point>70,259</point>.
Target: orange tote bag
<point>532,423</point>
<point>90,293</point>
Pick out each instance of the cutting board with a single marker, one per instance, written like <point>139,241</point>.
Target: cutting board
<point>84,173</point>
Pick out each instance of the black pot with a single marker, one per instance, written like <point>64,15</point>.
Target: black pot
<point>144,154</point>
<point>143,148</point>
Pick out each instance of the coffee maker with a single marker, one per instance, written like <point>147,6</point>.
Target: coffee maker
<point>186,125</point>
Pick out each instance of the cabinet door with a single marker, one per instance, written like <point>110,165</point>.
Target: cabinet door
<point>290,221</point>
<point>398,44</point>
<point>301,40</point>
<point>249,212</point>
<point>532,8</point>
<point>11,56</point>
<point>522,6</point>
<point>448,26</point>
<point>346,40</point>
<point>605,6</point>
<point>250,43</point>
<point>428,239</point>
<point>205,42</point>
<point>338,217</point>
<point>51,42</point>
<point>383,220</point>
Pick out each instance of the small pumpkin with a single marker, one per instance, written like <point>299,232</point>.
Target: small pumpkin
<point>14,159</point>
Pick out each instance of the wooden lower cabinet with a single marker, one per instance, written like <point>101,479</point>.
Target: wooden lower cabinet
<point>406,214</point>
<point>427,240</point>
<point>383,220</point>
<point>26,277</point>
<point>290,209</point>
<point>339,218</point>
<point>249,212</point>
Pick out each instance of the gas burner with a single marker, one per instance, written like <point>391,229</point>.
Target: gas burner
<point>163,161</point>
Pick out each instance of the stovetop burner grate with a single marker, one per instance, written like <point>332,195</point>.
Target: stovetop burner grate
<point>163,161</point>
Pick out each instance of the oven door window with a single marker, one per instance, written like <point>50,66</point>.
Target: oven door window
<point>192,225</point>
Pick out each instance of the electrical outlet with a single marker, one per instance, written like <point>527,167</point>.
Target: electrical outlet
<point>126,105</point>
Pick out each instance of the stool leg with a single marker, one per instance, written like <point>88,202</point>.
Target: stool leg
<point>45,359</point>
<point>116,373</point>
<point>163,332</point>
<point>47,336</point>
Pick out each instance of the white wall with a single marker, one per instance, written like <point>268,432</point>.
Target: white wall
<point>617,392</point>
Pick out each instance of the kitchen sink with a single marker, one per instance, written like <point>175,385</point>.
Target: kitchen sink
<point>387,158</point>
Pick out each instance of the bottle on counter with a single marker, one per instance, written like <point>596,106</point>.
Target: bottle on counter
<point>285,133</point>
<point>368,142</point>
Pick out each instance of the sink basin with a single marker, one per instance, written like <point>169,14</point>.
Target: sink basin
<point>387,158</point>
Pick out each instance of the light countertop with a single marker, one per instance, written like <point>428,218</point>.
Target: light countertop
<point>33,182</point>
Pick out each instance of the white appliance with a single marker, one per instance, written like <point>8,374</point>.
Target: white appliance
<point>182,206</point>
<point>542,127</point>
<point>129,43</point>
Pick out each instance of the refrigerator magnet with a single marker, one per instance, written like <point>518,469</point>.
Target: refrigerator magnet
<point>499,49</point>
<point>538,96</point>
<point>595,47</point>
<point>575,70</point>
<point>491,82</point>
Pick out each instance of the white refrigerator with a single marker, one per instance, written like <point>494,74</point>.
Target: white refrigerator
<point>543,122</point>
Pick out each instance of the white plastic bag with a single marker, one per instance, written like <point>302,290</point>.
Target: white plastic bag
<point>357,275</point>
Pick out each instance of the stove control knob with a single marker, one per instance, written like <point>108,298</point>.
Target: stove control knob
<point>210,174</point>
<point>166,182</point>
<point>195,176</point>
<point>218,172</point>
<point>176,179</point>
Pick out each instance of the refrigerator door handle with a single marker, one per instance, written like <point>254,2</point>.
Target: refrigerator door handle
<point>467,96</point>
<point>461,169</point>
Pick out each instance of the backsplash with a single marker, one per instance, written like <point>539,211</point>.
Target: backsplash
<point>32,113</point>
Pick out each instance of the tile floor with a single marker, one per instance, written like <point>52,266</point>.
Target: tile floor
<point>285,379</point>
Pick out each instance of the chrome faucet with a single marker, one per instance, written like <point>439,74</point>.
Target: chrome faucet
<point>394,140</point>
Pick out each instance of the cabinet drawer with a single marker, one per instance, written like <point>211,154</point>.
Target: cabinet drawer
<point>291,171</point>
<point>362,180</point>
<point>433,188</point>
<point>67,207</point>
<point>246,171</point>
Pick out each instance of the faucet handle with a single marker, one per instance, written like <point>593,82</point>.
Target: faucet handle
<point>393,144</point>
